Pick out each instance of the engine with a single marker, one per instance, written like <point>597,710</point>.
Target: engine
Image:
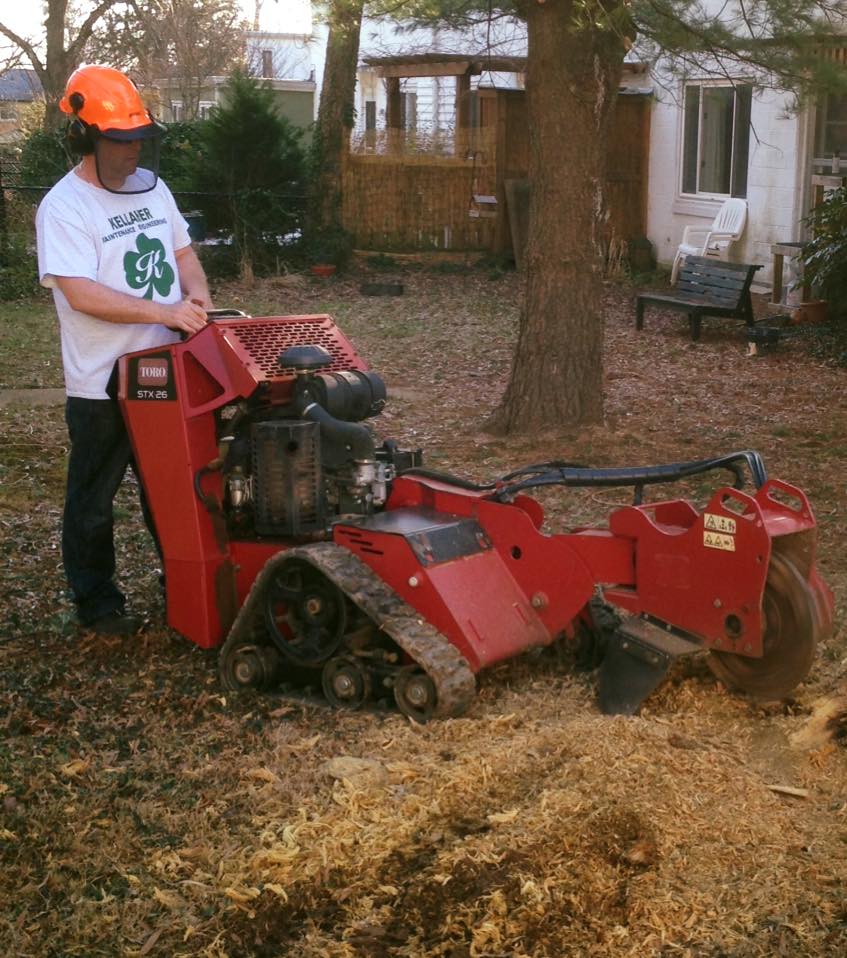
<point>289,469</point>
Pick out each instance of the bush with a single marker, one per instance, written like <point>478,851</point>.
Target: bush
<point>252,154</point>
<point>178,165</point>
<point>18,269</point>
<point>44,158</point>
<point>824,257</point>
<point>328,246</point>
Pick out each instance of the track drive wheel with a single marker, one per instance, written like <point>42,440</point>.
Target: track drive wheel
<point>305,613</point>
<point>790,640</point>
<point>415,694</point>
<point>346,683</point>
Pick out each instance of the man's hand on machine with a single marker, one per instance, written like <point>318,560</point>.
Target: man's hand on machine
<point>186,316</point>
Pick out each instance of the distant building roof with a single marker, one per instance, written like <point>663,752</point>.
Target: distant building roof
<point>20,85</point>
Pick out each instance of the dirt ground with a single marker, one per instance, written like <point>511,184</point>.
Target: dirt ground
<point>143,811</point>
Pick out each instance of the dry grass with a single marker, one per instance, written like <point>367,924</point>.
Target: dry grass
<point>145,813</point>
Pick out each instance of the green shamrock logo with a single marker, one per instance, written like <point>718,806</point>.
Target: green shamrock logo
<point>149,267</point>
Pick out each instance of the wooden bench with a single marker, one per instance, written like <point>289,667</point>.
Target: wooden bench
<point>705,287</point>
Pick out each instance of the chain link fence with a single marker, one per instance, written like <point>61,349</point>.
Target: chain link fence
<point>212,218</point>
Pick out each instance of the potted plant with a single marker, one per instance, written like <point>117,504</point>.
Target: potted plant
<point>329,250</point>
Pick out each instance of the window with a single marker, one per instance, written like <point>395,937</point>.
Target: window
<point>267,64</point>
<point>204,109</point>
<point>832,126</point>
<point>176,110</point>
<point>716,139</point>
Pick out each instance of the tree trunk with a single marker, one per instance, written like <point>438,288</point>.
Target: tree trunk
<point>58,65</point>
<point>336,112</point>
<point>572,81</point>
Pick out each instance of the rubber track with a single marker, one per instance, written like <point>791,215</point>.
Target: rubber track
<point>443,663</point>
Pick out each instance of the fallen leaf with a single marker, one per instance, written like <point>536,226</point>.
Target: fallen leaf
<point>262,775</point>
<point>169,899</point>
<point>147,947</point>
<point>74,768</point>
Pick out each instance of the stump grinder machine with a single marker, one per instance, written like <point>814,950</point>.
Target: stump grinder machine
<point>311,554</point>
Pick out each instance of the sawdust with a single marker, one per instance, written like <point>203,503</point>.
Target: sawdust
<point>145,812</point>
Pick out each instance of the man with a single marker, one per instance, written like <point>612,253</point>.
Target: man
<point>116,253</point>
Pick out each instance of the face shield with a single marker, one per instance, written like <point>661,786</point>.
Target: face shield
<point>127,161</point>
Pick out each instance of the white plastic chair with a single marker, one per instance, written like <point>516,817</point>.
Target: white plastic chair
<point>713,240</point>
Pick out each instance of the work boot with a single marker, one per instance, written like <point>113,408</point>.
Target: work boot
<point>116,625</point>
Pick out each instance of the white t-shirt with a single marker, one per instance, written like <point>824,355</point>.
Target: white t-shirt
<point>124,241</point>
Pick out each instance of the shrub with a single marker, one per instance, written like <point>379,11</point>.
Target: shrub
<point>328,246</point>
<point>18,269</point>
<point>44,158</point>
<point>252,154</point>
<point>178,165</point>
<point>824,257</point>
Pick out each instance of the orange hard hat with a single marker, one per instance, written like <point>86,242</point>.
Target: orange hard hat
<point>108,100</point>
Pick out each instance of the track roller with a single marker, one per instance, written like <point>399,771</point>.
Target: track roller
<point>346,683</point>
<point>250,667</point>
<point>415,695</point>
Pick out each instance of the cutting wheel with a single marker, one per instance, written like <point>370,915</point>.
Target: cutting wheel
<point>792,624</point>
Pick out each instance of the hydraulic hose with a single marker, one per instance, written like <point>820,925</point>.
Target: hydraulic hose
<point>637,476</point>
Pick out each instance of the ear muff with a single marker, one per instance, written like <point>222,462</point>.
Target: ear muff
<point>79,134</point>
<point>80,137</point>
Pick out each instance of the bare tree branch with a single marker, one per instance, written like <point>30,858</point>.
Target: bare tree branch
<point>27,48</point>
<point>88,25</point>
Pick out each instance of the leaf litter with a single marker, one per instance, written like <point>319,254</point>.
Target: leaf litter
<point>145,812</point>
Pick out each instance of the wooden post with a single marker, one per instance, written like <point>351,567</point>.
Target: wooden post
<point>463,112</point>
<point>394,114</point>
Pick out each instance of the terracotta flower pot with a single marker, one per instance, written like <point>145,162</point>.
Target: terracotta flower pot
<point>323,269</point>
<point>812,311</point>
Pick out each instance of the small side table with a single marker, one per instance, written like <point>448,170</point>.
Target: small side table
<point>780,251</point>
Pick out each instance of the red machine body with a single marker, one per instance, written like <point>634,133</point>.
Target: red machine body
<point>477,569</point>
<point>169,397</point>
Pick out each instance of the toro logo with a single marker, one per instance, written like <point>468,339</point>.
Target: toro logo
<point>152,372</point>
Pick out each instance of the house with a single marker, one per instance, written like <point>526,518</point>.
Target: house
<point>287,60</point>
<point>714,137</point>
<point>18,89</point>
<point>295,99</point>
<point>427,100</point>
<point>440,152</point>
<point>709,136</point>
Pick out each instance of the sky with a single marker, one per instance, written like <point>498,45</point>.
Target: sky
<point>283,16</point>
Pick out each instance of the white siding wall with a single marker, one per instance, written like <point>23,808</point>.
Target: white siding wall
<point>776,185</point>
<point>291,54</point>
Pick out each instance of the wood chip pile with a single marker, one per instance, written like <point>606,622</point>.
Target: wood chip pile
<point>145,813</point>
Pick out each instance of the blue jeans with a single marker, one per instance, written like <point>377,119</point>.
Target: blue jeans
<point>100,454</point>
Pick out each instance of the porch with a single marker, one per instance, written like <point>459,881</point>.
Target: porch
<point>458,180</point>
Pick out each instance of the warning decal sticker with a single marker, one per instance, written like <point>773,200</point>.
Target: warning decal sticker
<point>717,540</point>
<point>718,523</point>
